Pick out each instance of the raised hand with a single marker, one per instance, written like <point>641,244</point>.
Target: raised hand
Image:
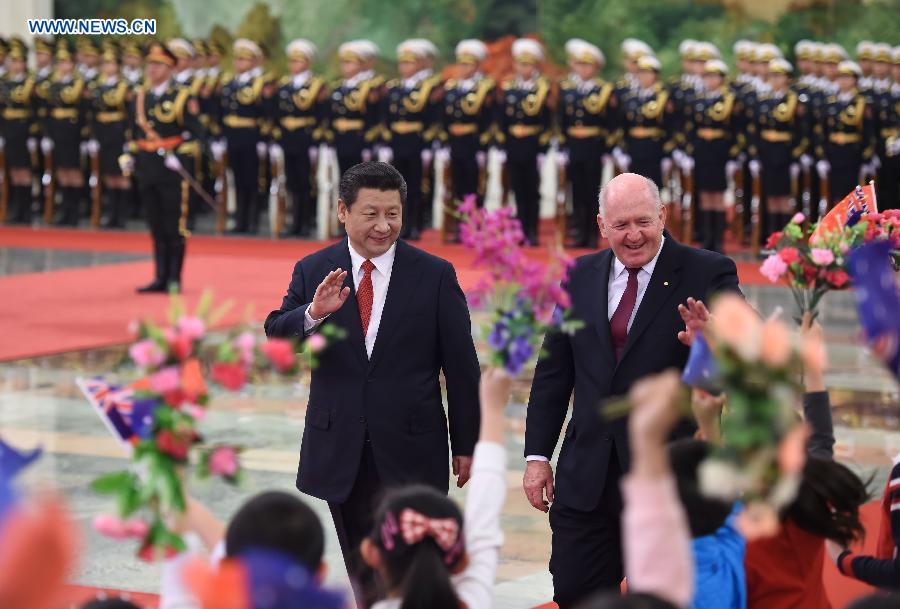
<point>695,316</point>
<point>330,295</point>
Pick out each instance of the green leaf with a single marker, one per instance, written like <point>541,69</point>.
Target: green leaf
<point>113,483</point>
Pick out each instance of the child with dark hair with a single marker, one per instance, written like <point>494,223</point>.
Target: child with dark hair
<point>109,603</point>
<point>612,600</point>
<point>427,554</point>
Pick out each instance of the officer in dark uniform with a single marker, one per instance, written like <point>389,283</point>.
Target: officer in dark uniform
<point>467,119</point>
<point>524,119</point>
<point>4,49</point>
<point>845,136</point>
<point>165,116</point>
<point>132,59</point>
<point>17,116</point>
<point>410,115</point>
<point>64,127</point>
<point>887,120</point>
<point>299,107</point>
<point>242,109</point>
<point>88,57</point>
<point>646,117</point>
<point>711,141</point>
<point>777,144</point>
<point>585,117</point>
<point>354,120</point>
<point>109,95</point>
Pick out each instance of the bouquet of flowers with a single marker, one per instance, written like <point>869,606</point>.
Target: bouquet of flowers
<point>157,417</point>
<point>757,364</point>
<point>526,298</point>
<point>813,260</point>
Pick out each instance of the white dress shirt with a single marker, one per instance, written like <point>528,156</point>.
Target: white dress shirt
<point>618,281</point>
<point>381,279</point>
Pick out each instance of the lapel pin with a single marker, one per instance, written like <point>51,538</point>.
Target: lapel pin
<point>665,283</point>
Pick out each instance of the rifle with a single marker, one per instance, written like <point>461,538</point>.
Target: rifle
<point>806,197</point>
<point>687,205</point>
<point>277,188</point>
<point>49,187</point>
<point>824,197</point>
<point>754,214</point>
<point>220,186</point>
<point>561,212</point>
<point>94,183</point>
<point>668,180</point>
<point>737,226</point>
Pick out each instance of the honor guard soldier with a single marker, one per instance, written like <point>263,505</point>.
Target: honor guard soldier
<point>165,117</point>
<point>64,127</point>
<point>299,107</point>
<point>185,75</point>
<point>467,118</point>
<point>411,123</point>
<point>4,49</point>
<point>524,129</point>
<point>865,55</point>
<point>88,56</point>
<point>109,95</point>
<point>632,50</point>
<point>888,136</point>
<point>241,108</point>
<point>712,143</point>
<point>646,118</point>
<point>184,61</point>
<point>776,147</point>
<point>585,116</point>
<point>17,142</point>
<point>845,135</point>
<point>132,58</point>
<point>353,112</point>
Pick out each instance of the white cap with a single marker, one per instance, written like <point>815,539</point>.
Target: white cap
<point>244,47</point>
<point>715,66</point>
<point>181,48</point>
<point>649,62</point>
<point>527,50</point>
<point>428,47</point>
<point>834,53</point>
<point>368,49</point>
<point>301,49</point>
<point>634,48</point>
<point>706,51</point>
<point>780,65</point>
<point>766,52</point>
<point>805,49</point>
<point>850,68</point>
<point>686,47</point>
<point>415,49</point>
<point>743,49</point>
<point>584,51</point>
<point>471,51</point>
<point>865,49</point>
<point>882,52</point>
<point>896,54</point>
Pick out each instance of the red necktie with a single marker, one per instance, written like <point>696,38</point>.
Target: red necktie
<point>618,323</point>
<point>365,294</point>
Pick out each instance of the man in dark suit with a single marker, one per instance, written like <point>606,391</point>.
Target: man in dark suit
<point>375,417</point>
<point>638,328</point>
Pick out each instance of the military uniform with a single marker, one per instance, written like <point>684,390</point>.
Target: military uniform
<point>585,116</point>
<point>17,119</point>
<point>299,108</point>
<point>844,138</point>
<point>109,127</point>
<point>887,120</point>
<point>65,125</point>
<point>353,117</point>
<point>524,129</point>
<point>647,117</point>
<point>164,120</point>
<point>411,123</point>
<point>467,119</point>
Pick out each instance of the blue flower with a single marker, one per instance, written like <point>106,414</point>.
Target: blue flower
<point>520,351</point>
<point>498,337</point>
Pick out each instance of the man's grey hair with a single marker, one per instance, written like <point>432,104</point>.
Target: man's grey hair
<point>650,185</point>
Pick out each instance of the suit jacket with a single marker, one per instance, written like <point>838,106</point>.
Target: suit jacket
<point>395,396</point>
<point>586,363</point>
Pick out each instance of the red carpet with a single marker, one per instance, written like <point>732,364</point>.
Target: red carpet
<point>83,308</point>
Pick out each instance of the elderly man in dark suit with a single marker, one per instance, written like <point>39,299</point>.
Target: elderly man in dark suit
<point>629,297</point>
<point>375,417</point>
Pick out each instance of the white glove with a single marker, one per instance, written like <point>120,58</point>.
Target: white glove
<point>501,155</point>
<point>443,155</point>
<point>731,167</point>
<point>385,154</point>
<point>894,148</point>
<point>806,161</point>
<point>541,157</point>
<point>276,152</point>
<point>622,159</point>
<point>823,167</point>
<point>366,155</point>
<point>867,169</point>
<point>666,165</point>
<point>481,159</point>
<point>755,168</point>
<point>93,147</point>
<point>313,154</point>
<point>329,151</point>
<point>562,158</point>
<point>607,159</point>
<point>30,143</point>
<point>678,156</point>
<point>126,163</point>
<point>687,164</point>
<point>261,149</point>
<point>876,163</point>
<point>83,148</point>
<point>218,148</point>
<point>171,161</point>
<point>46,145</point>
<point>427,156</point>
<point>795,171</point>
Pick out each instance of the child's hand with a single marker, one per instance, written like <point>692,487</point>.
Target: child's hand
<point>654,407</point>
<point>496,385</point>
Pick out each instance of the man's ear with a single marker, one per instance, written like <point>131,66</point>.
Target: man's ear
<point>602,226</point>
<point>371,554</point>
<point>663,214</point>
<point>343,211</point>
<point>321,573</point>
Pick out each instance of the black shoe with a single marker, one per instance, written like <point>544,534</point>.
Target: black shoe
<point>156,287</point>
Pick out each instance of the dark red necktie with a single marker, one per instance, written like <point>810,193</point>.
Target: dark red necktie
<point>618,323</point>
<point>365,295</point>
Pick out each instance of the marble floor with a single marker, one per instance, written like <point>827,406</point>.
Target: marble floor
<point>40,405</point>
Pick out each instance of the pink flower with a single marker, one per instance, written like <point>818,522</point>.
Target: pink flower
<point>245,343</point>
<point>281,353</point>
<point>147,353</point>
<point>735,323</point>
<point>223,461</point>
<point>165,380</point>
<point>116,528</point>
<point>191,327</point>
<point>775,347</point>
<point>798,218</point>
<point>844,247</point>
<point>821,256</point>
<point>316,343</point>
<point>773,268</point>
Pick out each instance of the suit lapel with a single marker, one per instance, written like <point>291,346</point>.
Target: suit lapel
<point>404,279</point>
<point>348,315</point>
<point>599,289</point>
<point>663,283</point>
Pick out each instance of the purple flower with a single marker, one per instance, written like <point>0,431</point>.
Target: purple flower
<point>520,351</point>
<point>142,417</point>
<point>499,337</point>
